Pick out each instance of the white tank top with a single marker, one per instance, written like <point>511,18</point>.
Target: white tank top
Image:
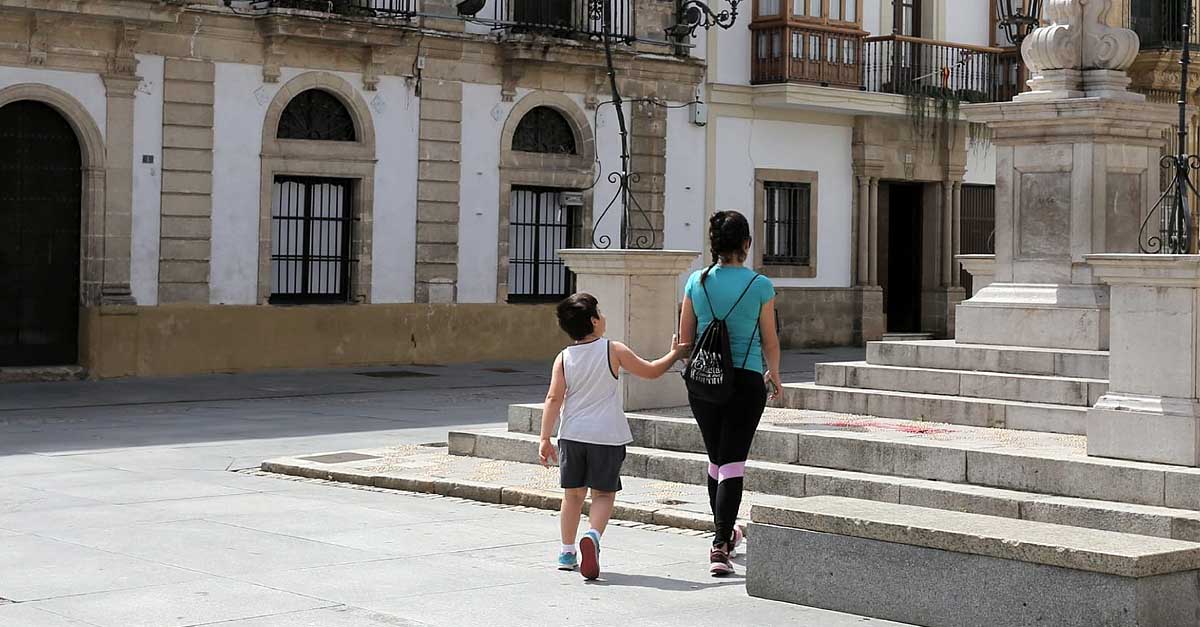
<point>592,412</point>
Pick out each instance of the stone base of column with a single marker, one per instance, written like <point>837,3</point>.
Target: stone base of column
<point>938,307</point>
<point>1037,315</point>
<point>1152,409</point>
<point>1145,428</point>
<point>638,291</point>
<point>871,323</point>
<point>116,294</point>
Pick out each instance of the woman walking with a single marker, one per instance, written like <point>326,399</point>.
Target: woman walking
<point>745,301</point>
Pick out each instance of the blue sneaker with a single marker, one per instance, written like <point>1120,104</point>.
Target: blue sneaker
<point>589,546</point>
<point>567,561</point>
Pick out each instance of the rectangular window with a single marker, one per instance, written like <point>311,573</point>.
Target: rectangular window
<point>540,225</point>
<point>768,7</point>
<point>814,48</point>
<point>835,9</point>
<point>851,10</point>
<point>797,45</point>
<point>786,227</point>
<point>311,226</point>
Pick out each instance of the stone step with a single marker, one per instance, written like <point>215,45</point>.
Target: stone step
<point>948,355</point>
<point>966,383</point>
<point>1118,496</point>
<point>957,410</point>
<point>942,569</point>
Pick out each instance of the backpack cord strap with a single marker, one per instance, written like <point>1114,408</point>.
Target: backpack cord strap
<point>750,345</point>
<point>743,295</point>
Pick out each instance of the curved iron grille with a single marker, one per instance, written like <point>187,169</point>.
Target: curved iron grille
<point>316,114</point>
<point>544,130</point>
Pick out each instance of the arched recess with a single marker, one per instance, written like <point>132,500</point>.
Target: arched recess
<point>91,211</point>
<point>543,170</point>
<point>350,160</point>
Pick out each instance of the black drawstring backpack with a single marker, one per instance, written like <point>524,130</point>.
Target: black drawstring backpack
<point>709,372</point>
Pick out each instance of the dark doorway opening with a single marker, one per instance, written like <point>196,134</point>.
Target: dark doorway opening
<point>902,289</point>
<point>40,196</point>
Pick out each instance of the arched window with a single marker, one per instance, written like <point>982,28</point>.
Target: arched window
<point>544,130</point>
<point>316,114</point>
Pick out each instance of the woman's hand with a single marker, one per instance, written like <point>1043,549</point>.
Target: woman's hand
<point>546,452</point>
<point>679,349</point>
<point>774,384</point>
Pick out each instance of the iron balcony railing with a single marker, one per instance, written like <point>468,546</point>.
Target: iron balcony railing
<point>896,64</point>
<point>353,8</point>
<point>1158,22</point>
<point>567,18</point>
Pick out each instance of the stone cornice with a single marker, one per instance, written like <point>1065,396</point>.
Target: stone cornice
<point>1146,270</point>
<point>146,11</point>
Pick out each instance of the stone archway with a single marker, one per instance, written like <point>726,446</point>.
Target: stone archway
<point>542,170</point>
<point>352,161</point>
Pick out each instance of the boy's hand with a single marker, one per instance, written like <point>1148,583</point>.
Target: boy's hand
<point>546,453</point>
<point>679,349</point>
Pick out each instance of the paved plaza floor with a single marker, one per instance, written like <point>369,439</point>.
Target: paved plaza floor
<point>120,507</point>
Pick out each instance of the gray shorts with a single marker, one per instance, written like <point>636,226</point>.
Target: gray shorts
<point>596,466</point>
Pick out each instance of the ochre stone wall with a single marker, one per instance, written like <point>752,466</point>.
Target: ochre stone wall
<point>829,316</point>
<point>172,340</point>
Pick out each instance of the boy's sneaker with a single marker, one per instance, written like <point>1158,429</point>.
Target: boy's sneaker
<point>567,561</point>
<point>718,561</point>
<point>589,547</point>
<point>738,536</point>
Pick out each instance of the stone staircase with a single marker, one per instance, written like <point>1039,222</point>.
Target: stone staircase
<point>1032,389</point>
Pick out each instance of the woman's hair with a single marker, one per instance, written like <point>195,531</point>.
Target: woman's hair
<point>727,235</point>
<point>575,315</point>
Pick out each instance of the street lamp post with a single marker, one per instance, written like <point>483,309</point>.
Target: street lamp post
<point>1020,20</point>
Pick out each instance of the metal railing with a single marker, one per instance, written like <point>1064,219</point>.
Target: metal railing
<point>784,53</point>
<point>566,18</point>
<point>1157,23</point>
<point>896,64</point>
<point>353,8</point>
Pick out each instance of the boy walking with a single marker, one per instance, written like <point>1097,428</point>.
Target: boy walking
<point>594,430</point>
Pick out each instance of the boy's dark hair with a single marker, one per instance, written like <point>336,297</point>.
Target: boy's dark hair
<point>575,315</point>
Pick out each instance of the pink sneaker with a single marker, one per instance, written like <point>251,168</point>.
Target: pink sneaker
<point>738,536</point>
<point>718,561</point>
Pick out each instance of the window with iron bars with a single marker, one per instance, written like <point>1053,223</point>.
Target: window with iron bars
<point>787,219</point>
<point>311,233</point>
<point>540,225</point>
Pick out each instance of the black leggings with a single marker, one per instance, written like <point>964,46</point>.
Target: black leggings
<point>728,429</point>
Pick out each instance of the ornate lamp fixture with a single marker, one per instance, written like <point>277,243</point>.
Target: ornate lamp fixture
<point>1174,214</point>
<point>692,15</point>
<point>1018,21</point>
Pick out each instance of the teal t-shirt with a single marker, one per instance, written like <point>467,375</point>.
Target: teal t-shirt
<point>724,285</point>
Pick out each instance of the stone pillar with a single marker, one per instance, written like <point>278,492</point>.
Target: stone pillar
<point>439,166</point>
<point>863,276</point>
<point>1076,167</point>
<point>873,227</point>
<point>118,192</point>
<point>638,291</point>
<point>947,260</point>
<point>1151,411</point>
<point>956,216</point>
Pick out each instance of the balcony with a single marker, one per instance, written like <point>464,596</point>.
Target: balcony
<point>403,9</point>
<point>894,64</point>
<point>565,18</point>
<point>1157,23</point>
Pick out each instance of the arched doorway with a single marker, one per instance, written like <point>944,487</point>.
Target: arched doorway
<point>40,200</point>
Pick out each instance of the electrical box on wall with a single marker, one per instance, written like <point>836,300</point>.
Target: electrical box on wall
<point>698,109</point>
<point>571,199</point>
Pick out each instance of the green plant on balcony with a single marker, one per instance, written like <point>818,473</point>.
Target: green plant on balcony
<point>933,112</point>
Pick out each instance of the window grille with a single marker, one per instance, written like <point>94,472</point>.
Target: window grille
<point>316,114</point>
<point>544,130</point>
<point>539,226</point>
<point>311,230</point>
<point>786,215</point>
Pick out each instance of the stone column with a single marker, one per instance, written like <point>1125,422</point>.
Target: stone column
<point>439,155</point>
<point>956,217</point>
<point>873,242</point>
<point>863,232</point>
<point>118,192</point>
<point>1076,167</point>
<point>638,294</point>
<point>1151,411</point>
<point>947,260</point>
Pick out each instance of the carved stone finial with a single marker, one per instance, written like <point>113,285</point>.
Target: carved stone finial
<point>1077,54</point>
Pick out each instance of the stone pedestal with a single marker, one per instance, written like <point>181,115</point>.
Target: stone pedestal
<point>982,269</point>
<point>638,291</point>
<point>1151,411</point>
<point>1073,178</point>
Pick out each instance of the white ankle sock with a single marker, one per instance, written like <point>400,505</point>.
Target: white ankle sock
<point>568,548</point>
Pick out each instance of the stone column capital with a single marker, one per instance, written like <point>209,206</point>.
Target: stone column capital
<point>120,85</point>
